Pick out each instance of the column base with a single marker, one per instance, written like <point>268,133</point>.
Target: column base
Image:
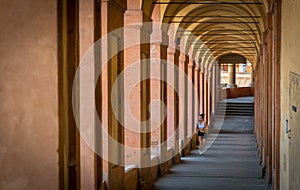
<point>176,159</point>
<point>163,168</point>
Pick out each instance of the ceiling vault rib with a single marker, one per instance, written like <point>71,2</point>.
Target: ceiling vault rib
<point>230,52</point>
<point>225,40</point>
<point>210,16</point>
<point>209,3</point>
<point>219,30</point>
<point>230,43</point>
<point>228,47</point>
<point>222,49</point>
<point>217,22</point>
<point>204,34</point>
<point>207,39</point>
<point>214,31</point>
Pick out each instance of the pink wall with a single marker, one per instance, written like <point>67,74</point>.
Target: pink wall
<point>28,95</point>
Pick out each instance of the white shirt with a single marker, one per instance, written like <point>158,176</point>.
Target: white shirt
<point>201,125</point>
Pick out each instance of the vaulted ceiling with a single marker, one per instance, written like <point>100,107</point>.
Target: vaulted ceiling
<point>216,27</point>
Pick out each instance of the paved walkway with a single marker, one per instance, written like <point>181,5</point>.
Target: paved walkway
<point>229,163</point>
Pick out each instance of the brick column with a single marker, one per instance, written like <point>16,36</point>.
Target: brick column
<point>209,96</point>
<point>218,82</point>
<point>190,101</point>
<point>160,116</point>
<point>201,95</point>
<point>231,76</point>
<point>137,115</point>
<point>196,96</point>
<point>205,94</point>
<point>87,97</point>
<point>182,98</point>
<point>156,112</point>
<point>214,88</point>
<point>252,76</point>
<point>171,98</point>
<point>113,170</point>
<point>174,55</point>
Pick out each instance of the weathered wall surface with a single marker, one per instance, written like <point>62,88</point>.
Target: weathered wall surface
<point>28,95</point>
<point>290,49</point>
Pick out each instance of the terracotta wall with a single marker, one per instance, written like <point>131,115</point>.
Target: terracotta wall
<point>235,92</point>
<point>29,95</point>
<point>239,92</point>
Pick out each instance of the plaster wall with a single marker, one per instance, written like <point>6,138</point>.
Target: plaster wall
<point>29,95</point>
<point>290,46</point>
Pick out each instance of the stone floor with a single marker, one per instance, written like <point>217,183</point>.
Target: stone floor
<point>236,124</point>
<point>230,162</point>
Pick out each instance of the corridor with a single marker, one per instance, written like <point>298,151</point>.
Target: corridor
<point>107,94</point>
<point>230,162</point>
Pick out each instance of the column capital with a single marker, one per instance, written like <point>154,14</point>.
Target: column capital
<point>181,57</point>
<point>171,50</point>
<point>201,66</point>
<point>196,66</point>
<point>159,37</point>
<point>135,18</point>
<point>203,71</point>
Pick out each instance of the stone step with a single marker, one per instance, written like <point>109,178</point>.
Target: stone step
<point>235,111</point>
<point>235,108</point>
<point>235,105</point>
<point>238,114</point>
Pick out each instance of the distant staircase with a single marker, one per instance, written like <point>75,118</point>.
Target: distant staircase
<point>235,108</point>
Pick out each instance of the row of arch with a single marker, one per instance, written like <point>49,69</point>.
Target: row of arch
<point>203,22</point>
<point>185,28</point>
